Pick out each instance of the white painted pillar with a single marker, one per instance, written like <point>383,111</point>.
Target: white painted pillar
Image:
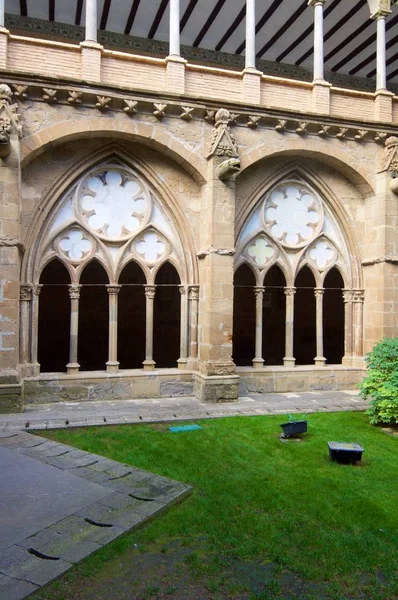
<point>289,360</point>
<point>2,22</point>
<point>250,51</point>
<point>149,363</point>
<point>381,77</point>
<point>182,361</point>
<point>258,360</point>
<point>91,20</point>
<point>319,359</point>
<point>74,294</point>
<point>112,366</point>
<point>174,32</point>
<point>318,38</point>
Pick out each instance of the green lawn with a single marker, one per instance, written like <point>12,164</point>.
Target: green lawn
<point>257,500</point>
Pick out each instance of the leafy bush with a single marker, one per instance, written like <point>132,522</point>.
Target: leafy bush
<point>381,383</point>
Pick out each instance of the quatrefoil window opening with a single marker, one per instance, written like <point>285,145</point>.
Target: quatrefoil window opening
<point>75,244</point>
<point>151,247</point>
<point>293,215</point>
<point>113,204</point>
<point>322,254</point>
<point>260,251</point>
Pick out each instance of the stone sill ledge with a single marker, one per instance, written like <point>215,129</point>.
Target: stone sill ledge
<point>122,374</point>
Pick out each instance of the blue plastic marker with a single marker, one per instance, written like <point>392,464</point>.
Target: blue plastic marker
<point>179,428</point>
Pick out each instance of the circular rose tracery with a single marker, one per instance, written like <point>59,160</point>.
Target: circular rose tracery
<point>293,215</point>
<point>113,204</point>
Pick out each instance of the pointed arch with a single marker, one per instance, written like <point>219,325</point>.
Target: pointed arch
<point>53,326</point>
<point>244,316</point>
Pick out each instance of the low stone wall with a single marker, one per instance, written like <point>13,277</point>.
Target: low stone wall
<point>298,379</point>
<point>97,386</point>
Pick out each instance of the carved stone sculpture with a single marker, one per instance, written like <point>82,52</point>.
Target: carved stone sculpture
<point>9,120</point>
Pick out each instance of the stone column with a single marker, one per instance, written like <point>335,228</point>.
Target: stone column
<point>383,98</point>
<point>217,380</point>
<point>251,77</point>
<point>289,360</point>
<point>25,298</point>
<point>175,64</point>
<point>182,361</point>
<point>91,50</point>
<point>11,249</point>
<point>149,363</point>
<point>348,349</point>
<point>258,360</point>
<point>174,29</point>
<point>321,89</point>
<point>250,52</point>
<point>74,294</point>
<point>319,360</point>
<point>35,327</point>
<point>112,366</point>
<point>4,36</point>
<point>193,296</point>
<point>358,298</point>
<point>91,20</point>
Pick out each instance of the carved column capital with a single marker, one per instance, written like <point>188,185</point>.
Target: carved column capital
<point>113,289</point>
<point>319,292</point>
<point>347,296</point>
<point>259,291</point>
<point>25,292</point>
<point>36,289</point>
<point>74,291</point>
<point>183,289</point>
<point>358,296</point>
<point>290,291</point>
<point>150,291</point>
<point>194,292</point>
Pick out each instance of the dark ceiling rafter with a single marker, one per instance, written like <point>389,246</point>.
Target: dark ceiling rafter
<point>51,10</point>
<point>369,59</point>
<point>264,19</point>
<point>79,10</point>
<point>105,14</point>
<point>23,7</point>
<point>131,17</point>
<point>297,13</point>
<point>158,18</point>
<point>351,13</point>
<point>209,22</point>
<point>188,12</point>
<point>232,28</point>
<point>365,44</point>
<point>389,61</point>
<point>392,75</point>
<point>307,32</point>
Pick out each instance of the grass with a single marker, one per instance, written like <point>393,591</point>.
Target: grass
<point>257,499</point>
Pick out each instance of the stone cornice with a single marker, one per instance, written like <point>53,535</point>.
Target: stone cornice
<point>367,262</point>
<point>105,98</point>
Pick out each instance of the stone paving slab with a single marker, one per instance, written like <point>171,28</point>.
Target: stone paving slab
<point>59,504</point>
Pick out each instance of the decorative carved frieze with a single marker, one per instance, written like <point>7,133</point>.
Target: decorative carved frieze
<point>253,121</point>
<point>103,102</point>
<point>75,97</point>
<point>159,110</point>
<point>50,95</point>
<point>222,142</point>
<point>20,91</point>
<point>186,114</point>
<point>131,106</point>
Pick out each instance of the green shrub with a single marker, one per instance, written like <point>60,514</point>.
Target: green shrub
<point>381,383</point>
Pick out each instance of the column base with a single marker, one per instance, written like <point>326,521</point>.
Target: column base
<point>258,363</point>
<point>72,368</point>
<point>319,361</point>
<point>214,389</point>
<point>182,363</point>
<point>289,361</point>
<point>148,365</point>
<point>112,366</point>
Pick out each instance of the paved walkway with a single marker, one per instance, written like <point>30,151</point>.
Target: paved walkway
<point>59,504</point>
<point>81,414</point>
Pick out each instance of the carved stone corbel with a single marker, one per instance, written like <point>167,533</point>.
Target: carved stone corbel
<point>222,143</point>
<point>9,120</point>
<point>389,162</point>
